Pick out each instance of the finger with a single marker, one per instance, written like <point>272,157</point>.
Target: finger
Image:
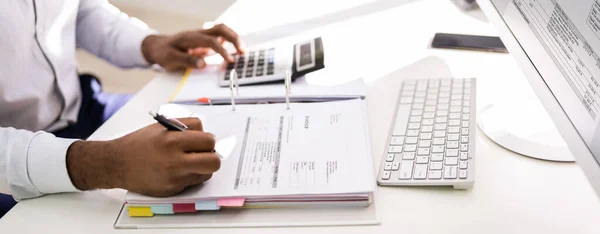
<point>186,60</point>
<point>228,34</point>
<point>194,179</point>
<point>202,163</point>
<point>195,141</point>
<point>198,39</point>
<point>192,123</point>
<point>200,51</point>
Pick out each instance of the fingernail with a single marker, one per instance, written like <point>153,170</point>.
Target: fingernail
<point>200,63</point>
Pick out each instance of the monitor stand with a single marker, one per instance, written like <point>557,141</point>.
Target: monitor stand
<point>524,127</point>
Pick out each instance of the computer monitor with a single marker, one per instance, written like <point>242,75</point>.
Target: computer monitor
<point>557,44</point>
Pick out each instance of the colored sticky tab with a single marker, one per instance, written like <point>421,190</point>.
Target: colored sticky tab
<point>136,211</point>
<point>207,205</point>
<point>162,209</point>
<point>184,208</point>
<point>231,202</point>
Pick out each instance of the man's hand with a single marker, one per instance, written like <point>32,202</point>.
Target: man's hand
<point>151,161</point>
<point>177,52</point>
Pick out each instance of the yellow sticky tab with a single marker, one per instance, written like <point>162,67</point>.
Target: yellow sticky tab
<point>140,211</point>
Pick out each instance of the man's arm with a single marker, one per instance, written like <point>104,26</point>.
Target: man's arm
<point>150,161</point>
<point>108,33</point>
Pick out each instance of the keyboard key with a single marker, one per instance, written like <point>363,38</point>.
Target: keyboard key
<point>432,96</point>
<point>390,157</point>
<point>439,141</point>
<point>406,86</point>
<point>435,165</point>
<point>412,133</point>
<point>415,119</point>
<point>414,126</point>
<point>397,141</point>
<point>464,139</point>
<point>455,109</point>
<point>386,175</point>
<point>430,102</point>
<point>441,120</point>
<point>395,166</point>
<point>466,117</point>
<point>452,153</point>
<point>453,137</point>
<point>437,149</point>
<point>406,100</point>
<point>429,109</point>
<point>435,175</point>
<point>444,94</point>
<point>467,97</point>
<point>467,103</point>
<point>388,166</point>
<point>395,149</point>
<point>401,120</point>
<point>422,160</point>
<point>445,89</point>
<point>445,82</point>
<point>456,103</point>
<point>418,106</point>
<point>434,83</point>
<point>442,113</point>
<point>450,172</point>
<point>463,164</point>
<point>437,157</point>
<point>408,93</point>
<point>416,112</point>
<point>423,151</point>
<point>464,156</point>
<point>406,169</point>
<point>453,130</point>
<point>440,127</point>
<point>464,147</point>
<point>270,71</point>
<point>462,174</point>
<point>428,115</point>
<point>438,134</point>
<point>464,131</point>
<point>408,155</point>
<point>409,148</point>
<point>454,115</point>
<point>424,143</point>
<point>427,129</point>
<point>443,106</point>
<point>425,136</point>
<point>456,97</point>
<point>454,122</point>
<point>452,145</point>
<point>420,94</point>
<point>466,110</point>
<point>427,122</point>
<point>411,140</point>
<point>419,100</point>
<point>465,124</point>
<point>420,172</point>
<point>444,101</point>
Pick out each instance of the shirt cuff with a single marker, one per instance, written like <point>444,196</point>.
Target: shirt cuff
<point>138,31</point>
<point>47,164</point>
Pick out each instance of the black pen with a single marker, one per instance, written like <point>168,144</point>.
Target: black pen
<point>173,125</point>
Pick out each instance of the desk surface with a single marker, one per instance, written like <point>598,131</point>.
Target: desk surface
<point>384,42</point>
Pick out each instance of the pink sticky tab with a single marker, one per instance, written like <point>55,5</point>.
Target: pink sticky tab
<point>184,208</point>
<point>231,202</point>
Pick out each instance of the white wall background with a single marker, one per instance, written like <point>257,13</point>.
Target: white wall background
<point>203,9</point>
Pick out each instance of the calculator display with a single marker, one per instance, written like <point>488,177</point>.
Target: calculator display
<point>305,55</point>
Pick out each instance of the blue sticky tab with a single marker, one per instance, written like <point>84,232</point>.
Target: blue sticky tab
<point>207,205</point>
<point>162,209</point>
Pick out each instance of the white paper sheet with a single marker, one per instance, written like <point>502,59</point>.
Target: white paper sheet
<point>310,149</point>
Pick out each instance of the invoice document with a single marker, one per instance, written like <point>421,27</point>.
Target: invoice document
<point>268,150</point>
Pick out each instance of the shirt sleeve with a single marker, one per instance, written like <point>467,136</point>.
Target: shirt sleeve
<point>33,164</point>
<point>110,34</point>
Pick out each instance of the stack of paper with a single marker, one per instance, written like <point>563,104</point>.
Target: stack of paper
<point>311,155</point>
<point>202,84</point>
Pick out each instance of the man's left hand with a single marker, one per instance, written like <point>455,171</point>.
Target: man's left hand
<point>174,53</point>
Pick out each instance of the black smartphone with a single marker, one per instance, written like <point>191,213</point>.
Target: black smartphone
<point>468,42</point>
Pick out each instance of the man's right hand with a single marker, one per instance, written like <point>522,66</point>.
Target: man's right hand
<point>151,161</point>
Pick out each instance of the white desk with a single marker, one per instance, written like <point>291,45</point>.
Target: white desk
<point>512,194</point>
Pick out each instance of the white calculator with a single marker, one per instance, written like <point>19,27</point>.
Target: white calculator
<point>268,64</point>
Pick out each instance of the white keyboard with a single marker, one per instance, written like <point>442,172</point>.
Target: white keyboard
<point>432,139</point>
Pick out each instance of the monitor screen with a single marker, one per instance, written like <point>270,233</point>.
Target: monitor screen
<point>562,40</point>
